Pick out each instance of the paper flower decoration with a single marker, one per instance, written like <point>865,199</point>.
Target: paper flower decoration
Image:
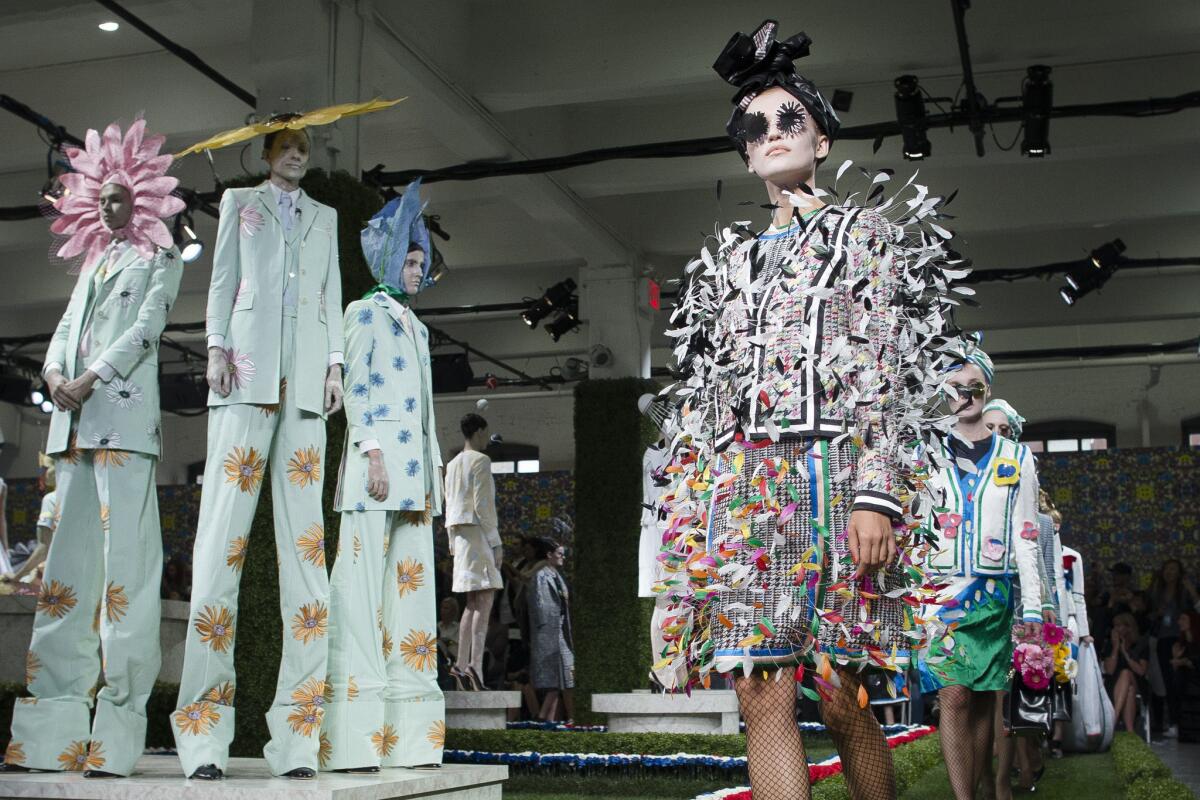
<point>949,524</point>
<point>1008,472</point>
<point>131,161</point>
<point>1030,531</point>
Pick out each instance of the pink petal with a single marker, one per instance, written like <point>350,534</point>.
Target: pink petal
<point>80,185</point>
<point>156,186</point>
<point>133,140</point>
<point>110,147</point>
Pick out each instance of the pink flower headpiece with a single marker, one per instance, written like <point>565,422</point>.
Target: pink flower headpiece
<point>132,162</point>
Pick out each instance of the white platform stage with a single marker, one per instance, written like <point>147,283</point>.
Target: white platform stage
<point>159,778</point>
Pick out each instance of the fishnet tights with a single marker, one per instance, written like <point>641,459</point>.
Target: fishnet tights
<point>866,759</point>
<point>967,724</point>
<point>778,764</point>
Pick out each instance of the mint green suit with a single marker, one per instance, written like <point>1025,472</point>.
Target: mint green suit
<point>386,707</point>
<point>274,415</point>
<point>101,586</point>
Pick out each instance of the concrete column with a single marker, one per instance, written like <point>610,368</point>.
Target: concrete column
<point>618,318</point>
<point>308,54</point>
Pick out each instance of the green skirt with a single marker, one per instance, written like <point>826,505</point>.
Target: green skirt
<point>974,645</point>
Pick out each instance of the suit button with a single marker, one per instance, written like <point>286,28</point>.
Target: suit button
<point>101,315</point>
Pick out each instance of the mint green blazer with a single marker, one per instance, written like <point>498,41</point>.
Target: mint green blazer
<point>128,314</point>
<point>389,398</point>
<point>245,299</point>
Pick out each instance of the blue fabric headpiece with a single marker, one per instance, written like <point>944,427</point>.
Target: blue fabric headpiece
<point>386,238</point>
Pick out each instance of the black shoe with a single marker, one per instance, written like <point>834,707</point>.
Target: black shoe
<point>301,773</point>
<point>13,768</point>
<point>209,772</point>
<point>97,773</point>
<point>426,766</point>
<point>356,770</point>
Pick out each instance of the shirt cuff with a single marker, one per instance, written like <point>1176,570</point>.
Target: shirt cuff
<point>53,366</point>
<point>216,340</point>
<point>367,445</point>
<point>336,358</point>
<point>103,369</point>
<point>879,502</point>
<point>1031,616</point>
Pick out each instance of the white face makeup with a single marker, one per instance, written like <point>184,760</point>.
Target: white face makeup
<point>116,206</point>
<point>782,141</point>
<point>288,156</point>
<point>973,392</point>
<point>997,422</point>
<point>413,271</point>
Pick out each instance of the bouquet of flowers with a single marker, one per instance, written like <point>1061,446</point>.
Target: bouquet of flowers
<point>1045,659</point>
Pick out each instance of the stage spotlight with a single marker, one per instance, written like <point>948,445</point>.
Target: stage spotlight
<point>1037,101</point>
<point>1092,274</point>
<point>556,297</point>
<point>190,245</point>
<point>910,113</point>
<point>36,397</point>
<point>566,321</point>
<point>47,407</point>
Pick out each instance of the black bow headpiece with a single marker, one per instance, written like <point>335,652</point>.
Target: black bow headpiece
<point>756,63</point>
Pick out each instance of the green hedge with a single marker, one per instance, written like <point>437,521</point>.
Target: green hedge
<point>1143,772</point>
<point>519,741</point>
<point>611,623</point>
<point>259,628</point>
<point>912,761</point>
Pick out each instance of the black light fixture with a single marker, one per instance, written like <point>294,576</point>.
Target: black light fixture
<point>189,244</point>
<point>1090,275</point>
<point>556,297</point>
<point>566,321</point>
<point>1037,101</point>
<point>910,113</point>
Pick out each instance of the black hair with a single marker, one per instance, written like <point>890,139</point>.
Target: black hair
<point>544,546</point>
<point>415,247</point>
<point>470,424</point>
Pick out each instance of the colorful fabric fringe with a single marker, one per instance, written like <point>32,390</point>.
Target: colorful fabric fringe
<point>838,334</point>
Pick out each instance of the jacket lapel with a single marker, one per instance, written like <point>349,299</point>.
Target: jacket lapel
<point>267,198</point>
<point>128,256</point>
<point>308,214</point>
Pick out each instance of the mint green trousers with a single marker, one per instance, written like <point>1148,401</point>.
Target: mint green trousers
<point>386,709</point>
<point>98,611</point>
<point>242,439</point>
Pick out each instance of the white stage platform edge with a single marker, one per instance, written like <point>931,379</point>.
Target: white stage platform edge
<point>160,777</point>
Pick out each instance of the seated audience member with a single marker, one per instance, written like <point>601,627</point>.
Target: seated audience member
<point>1185,662</point>
<point>1125,667</point>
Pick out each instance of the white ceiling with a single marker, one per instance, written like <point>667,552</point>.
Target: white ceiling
<point>490,80</point>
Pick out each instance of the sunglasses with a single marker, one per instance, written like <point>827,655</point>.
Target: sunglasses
<point>976,390</point>
<point>790,120</point>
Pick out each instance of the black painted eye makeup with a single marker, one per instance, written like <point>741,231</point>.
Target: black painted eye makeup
<point>791,119</point>
<point>753,128</point>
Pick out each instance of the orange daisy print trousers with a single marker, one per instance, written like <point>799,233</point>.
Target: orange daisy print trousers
<point>95,631</point>
<point>243,440</point>
<point>386,707</point>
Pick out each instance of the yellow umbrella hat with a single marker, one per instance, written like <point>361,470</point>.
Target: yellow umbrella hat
<point>321,116</point>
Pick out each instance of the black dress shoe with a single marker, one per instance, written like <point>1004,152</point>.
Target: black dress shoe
<point>358,770</point>
<point>209,772</point>
<point>97,773</point>
<point>301,773</point>
<point>13,768</point>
